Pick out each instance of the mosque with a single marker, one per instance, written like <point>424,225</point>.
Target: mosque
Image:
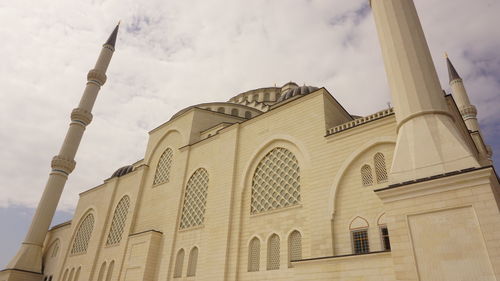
<point>282,183</point>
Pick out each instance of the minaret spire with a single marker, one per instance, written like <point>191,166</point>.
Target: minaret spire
<point>451,70</point>
<point>28,261</point>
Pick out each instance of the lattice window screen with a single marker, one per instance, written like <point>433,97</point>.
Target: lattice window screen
<point>118,222</point>
<point>294,246</point>
<point>276,182</point>
<point>163,169</point>
<point>195,200</point>
<point>366,175</point>
<point>380,168</point>
<point>273,253</point>
<point>192,262</point>
<point>254,255</point>
<point>83,234</point>
<point>178,264</point>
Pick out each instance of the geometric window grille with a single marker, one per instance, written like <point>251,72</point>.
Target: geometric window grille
<point>118,222</point>
<point>380,169</point>
<point>193,260</point>
<point>163,169</point>
<point>273,253</point>
<point>178,264</point>
<point>195,200</point>
<point>360,241</point>
<point>254,255</point>
<point>384,234</point>
<point>83,234</point>
<point>366,175</point>
<point>276,182</point>
<point>294,247</point>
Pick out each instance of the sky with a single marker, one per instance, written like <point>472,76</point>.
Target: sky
<point>173,54</point>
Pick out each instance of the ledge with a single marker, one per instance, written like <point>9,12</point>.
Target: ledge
<point>360,121</point>
<point>341,256</point>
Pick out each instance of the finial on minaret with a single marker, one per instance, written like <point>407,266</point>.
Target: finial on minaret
<point>112,38</point>
<point>451,70</point>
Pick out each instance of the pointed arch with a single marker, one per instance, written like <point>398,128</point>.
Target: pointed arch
<point>118,222</point>
<point>192,262</point>
<point>83,235</point>
<point>358,222</point>
<point>294,247</point>
<point>273,252</point>
<point>381,220</point>
<point>163,167</point>
<point>77,274</point>
<point>380,167</point>
<point>179,261</point>
<point>65,275</point>
<point>110,270</point>
<point>100,275</point>
<point>254,255</point>
<point>71,273</point>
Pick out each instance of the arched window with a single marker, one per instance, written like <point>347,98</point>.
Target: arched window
<point>195,199</point>
<point>162,174</point>
<point>234,112</point>
<point>118,222</point>
<point>193,260</point>
<point>178,264</point>
<point>273,252</point>
<point>83,235</point>
<point>110,271</point>
<point>50,277</point>
<point>100,276</point>
<point>248,114</point>
<point>276,182</point>
<point>255,97</point>
<point>55,249</point>
<point>71,273</point>
<point>366,175</point>
<point>221,110</point>
<point>266,97</point>
<point>77,274</point>
<point>294,247</point>
<point>359,235</point>
<point>254,255</point>
<point>380,168</point>
<point>65,275</point>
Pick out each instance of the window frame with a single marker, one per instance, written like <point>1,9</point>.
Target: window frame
<point>353,241</point>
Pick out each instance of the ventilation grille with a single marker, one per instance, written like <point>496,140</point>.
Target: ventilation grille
<point>163,169</point>
<point>195,200</point>
<point>118,223</point>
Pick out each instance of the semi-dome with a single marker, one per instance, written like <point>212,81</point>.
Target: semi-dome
<point>123,171</point>
<point>292,92</point>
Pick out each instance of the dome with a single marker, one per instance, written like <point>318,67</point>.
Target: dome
<point>303,90</point>
<point>123,171</point>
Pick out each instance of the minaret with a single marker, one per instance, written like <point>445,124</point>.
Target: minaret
<point>428,141</point>
<point>468,111</point>
<point>29,256</point>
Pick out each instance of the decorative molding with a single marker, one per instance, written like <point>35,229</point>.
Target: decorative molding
<point>96,76</point>
<point>360,121</point>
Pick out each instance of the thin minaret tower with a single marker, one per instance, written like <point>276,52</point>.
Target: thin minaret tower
<point>29,256</point>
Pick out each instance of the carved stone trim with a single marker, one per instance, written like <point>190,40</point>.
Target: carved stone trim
<point>63,164</point>
<point>97,76</point>
<point>82,115</point>
<point>468,111</point>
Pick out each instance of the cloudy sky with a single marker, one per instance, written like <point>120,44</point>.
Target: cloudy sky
<point>172,54</point>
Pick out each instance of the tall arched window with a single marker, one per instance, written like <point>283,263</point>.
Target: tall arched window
<point>294,247</point>
<point>193,260</point>
<point>118,222</point>
<point>276,182</point>
<point>71,273</point>
<point>83,235</point>
<point>380,168</point>
<point>366,175</point>
<point>162,174</point>
<point>55,249</point>
<point>195,200</point>
<point>100,276</point>
<point>110,271</point>
<point>254,255</point>
<point>178,264</point>
<point>273,252</point>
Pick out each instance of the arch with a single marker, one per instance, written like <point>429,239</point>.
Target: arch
<point>77,274</point>
<point>347,162</point>
<point>54,248</point>
<point>172,131</point>
<point>366,175</point>
<point>100,275</point>
<point>267,97</point>
<point>195,199</point>
<point>178,263</point>
<point>255,97</point>
<point>65,275</point>
<point>118,222</point>
<point>380,167</point>
<point>83,234</point>
<point>273,252</point>
<point>276,181</point>
<point>358,223</point>
<point>381,220</point>
<point>110,271</point>
<point>248,114</point>
<point>162,174</point>
<point>254,255</point>
<point>71,273</point>
<point>221,110</point>
<point>235,112</point>
<point>192,262</point>
<point>294,247</point>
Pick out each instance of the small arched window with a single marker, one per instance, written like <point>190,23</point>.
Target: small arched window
<point>192,262</point>
<point>83,235</point>
<point>255,97</point>
<point>254,255</point>
<point>380,168</point>
<point>221,110</point>
<point>77,274</point>
<point>294,247</point>
<point>110,271</point>
<point>71,273</point>
<point>162,174</point>
<point>55,249</point>
<point>100,276</point>
<point>65,275</point>
<point>195,200</point>
<point>273,252</point>
<point>266,97</point>
<point>234,112</point>
<point>366,175</point>
<point>276,182</point>
<point>118,222</point>
<point>248,114</point>
<point>179,263</point>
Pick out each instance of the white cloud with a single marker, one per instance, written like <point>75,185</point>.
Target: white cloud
<point>172,54</point>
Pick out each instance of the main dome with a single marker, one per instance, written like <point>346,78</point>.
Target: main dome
<point>296,91</point>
